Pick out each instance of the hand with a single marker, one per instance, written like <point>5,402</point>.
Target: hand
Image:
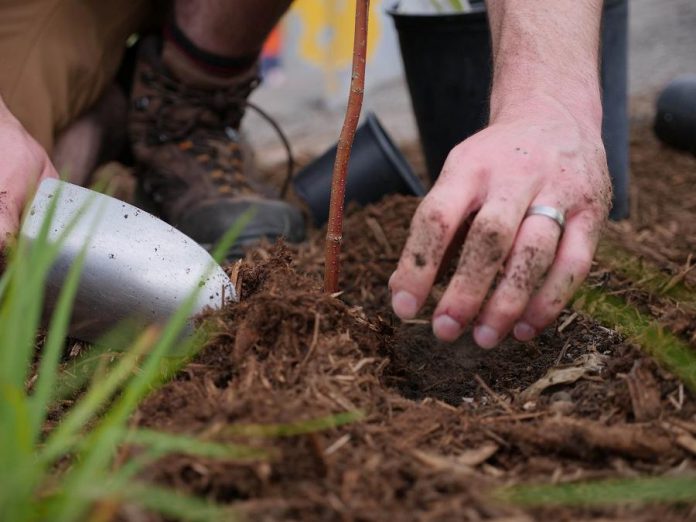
<point>539,155</point>
<point>24,165</point>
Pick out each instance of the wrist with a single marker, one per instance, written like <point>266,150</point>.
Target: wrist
<point>519,89</point>
<point>575,103</point>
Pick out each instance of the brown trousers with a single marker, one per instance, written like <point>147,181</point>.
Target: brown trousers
<point>58,56</point>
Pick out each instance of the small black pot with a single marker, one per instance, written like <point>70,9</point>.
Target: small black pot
<point>447,59</point>
<point>615,130</point>
<point>675,123</point>
<point>376,168</point>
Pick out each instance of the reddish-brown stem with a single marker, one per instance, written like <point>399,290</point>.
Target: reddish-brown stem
<point>334,233</point>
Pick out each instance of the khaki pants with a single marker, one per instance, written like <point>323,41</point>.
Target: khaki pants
<point>58,56</point>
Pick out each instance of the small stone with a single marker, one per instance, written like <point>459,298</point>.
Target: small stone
<point>561,402</point>
<point>561,396</point>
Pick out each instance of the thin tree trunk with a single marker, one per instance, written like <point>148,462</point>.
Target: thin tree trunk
<point>334,234</point>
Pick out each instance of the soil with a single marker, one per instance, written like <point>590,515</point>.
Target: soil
<point>444,425</point>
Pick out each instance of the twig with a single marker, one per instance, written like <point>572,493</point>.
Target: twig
<point>337,445</point>
<point>334,232</point>
<point>568,322</point>
<point>493,395</point>
<point>379,234</point>
<point>561,355</point>
<point>315,339</point>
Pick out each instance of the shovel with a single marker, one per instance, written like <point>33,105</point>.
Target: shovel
<point>136,266</point>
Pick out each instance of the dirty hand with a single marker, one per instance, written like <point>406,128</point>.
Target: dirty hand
<point>24,164</point>
<point>538,155</point>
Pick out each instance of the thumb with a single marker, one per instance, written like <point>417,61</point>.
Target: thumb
<point>11,211</point>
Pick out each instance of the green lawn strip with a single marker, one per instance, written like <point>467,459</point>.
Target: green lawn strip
<point>668,349</point>
<point>643,274</point>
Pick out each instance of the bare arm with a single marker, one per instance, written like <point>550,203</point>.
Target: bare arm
<point>543,147</point>
<point>548,48</point>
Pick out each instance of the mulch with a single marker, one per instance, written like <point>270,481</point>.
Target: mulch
<point>444,425</point>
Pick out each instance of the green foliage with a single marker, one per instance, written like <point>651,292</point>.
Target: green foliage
<point>612,311</point>
<point>65,473</point>
<point>68,471</point>
<point>645,275</point>
<point>604,492</point>
<point>449,5</point>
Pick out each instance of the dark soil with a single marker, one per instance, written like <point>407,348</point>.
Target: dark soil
<point>444,424</point>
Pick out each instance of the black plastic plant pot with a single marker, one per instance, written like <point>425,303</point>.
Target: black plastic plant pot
<point>614,74</point>
<point>675,122</point>
<point>377,168</point>
<point>447,60</point>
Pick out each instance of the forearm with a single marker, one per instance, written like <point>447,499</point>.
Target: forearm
<point>546,51</point>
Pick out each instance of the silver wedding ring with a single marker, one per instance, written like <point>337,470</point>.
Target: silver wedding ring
<point>549,212</point>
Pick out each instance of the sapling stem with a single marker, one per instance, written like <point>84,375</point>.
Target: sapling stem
<point>334,233</point>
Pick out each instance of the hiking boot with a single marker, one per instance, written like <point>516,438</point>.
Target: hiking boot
<point>191,160</point>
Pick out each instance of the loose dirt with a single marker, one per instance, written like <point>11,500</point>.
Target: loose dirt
<point>443,425</point>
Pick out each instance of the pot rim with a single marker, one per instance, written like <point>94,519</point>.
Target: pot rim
<point>395,13</point>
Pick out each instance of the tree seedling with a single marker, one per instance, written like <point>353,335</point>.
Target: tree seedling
<point>334,232</point>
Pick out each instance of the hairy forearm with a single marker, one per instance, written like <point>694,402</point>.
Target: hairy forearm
<point>546,51</point>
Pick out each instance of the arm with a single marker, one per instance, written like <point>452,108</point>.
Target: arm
<point>24,164</point>
<point>543,146</point>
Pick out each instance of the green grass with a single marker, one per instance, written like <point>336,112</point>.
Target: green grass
<point>65,473</point>
<point>604,492</point>
<point>645,275</point>
<point>668,349</point>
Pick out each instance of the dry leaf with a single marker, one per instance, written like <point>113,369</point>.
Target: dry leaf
<point>687,442</point>
<point>645,393</point>
<point>586,364</point>
<point>477,456</point>
<point>463,463</point>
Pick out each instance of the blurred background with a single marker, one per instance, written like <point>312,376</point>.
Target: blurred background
<point>307,70</point>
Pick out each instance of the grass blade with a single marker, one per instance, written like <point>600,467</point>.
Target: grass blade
<point>65,436</point>
<point>166,443</point>
<point>55,339</point>
<point>165,501</point>
<point>613,312</point>
<point>604,492</point>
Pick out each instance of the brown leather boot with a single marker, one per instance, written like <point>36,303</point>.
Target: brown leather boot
<point>191,160</point>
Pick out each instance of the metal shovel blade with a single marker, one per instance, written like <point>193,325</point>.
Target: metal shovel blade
<point>137,267</point>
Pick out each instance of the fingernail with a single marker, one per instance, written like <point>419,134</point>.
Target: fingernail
<point>404,305</point>
<point>485,336</point>
<point>524,332</point>
<point>446,328</point>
